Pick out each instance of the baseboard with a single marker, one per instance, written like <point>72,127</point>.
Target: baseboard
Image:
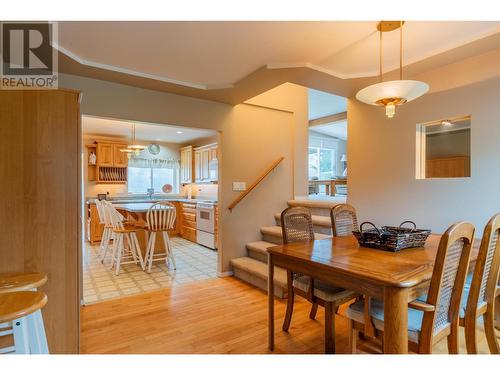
<point>225,274</point>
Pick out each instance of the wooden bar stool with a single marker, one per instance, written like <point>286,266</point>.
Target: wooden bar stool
<point>21,309</point>
<point>17,282</point>
<point>160,218</point>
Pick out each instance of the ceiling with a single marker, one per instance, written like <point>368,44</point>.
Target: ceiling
<point>323,104</point>
<point>145,132</point>
<point>335,129</point>
<point>218,54</point>
<point>234,61</point>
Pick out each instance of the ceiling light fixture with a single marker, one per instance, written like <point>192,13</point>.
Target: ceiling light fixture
<point>446,123</point>
<point>133,148</point>
<point>392,93</point>
<point>178,132</point>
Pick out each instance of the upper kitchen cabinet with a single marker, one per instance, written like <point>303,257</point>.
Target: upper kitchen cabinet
<point>111,165</point>
<point>187,165</point>
<point>119,158</point>
<point>206,163</point>
<point>105,154</point>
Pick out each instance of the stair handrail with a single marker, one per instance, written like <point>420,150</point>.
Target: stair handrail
<point>257,182</point>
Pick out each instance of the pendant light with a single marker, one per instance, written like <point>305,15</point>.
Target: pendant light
<point>392,93</point>
<point>134,148</point>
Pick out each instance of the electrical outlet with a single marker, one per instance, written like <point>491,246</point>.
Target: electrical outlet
<point>239,186</point>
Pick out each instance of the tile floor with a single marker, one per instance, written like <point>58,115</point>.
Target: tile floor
<point>194,263</point>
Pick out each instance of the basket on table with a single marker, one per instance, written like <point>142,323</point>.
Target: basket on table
<point>391,238</point>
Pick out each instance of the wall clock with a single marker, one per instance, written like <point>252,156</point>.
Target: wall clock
<point>154,149</point>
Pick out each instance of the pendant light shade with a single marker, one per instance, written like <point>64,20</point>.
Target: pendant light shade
<point>392,93</point>
<point>134,148</point>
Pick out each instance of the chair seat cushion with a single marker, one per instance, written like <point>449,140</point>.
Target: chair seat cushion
<point>324,291</point>
<point>356,312</point>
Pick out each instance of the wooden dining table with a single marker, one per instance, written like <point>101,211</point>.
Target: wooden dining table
<point>136,214</point>
<point>396,278</point>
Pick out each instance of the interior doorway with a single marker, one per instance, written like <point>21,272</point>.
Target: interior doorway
<point>175,165</point>
<point>327,148</point>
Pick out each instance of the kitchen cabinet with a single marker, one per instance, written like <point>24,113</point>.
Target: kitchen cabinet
<point>111,166</point>
<point>105,154</point>
<point>120,159</point>
<point>206,163</point>
<point>188,221</point>
<point>187,165</point>
<point>94,227</point>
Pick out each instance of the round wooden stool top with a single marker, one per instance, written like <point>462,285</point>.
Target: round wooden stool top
<point>19,281</point>
<point>15,305</point>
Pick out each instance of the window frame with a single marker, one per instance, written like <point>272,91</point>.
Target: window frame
<point>175,183</point>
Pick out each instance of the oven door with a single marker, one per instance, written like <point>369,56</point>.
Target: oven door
<point>205,218</point>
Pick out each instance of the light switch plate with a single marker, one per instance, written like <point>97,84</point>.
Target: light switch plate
<point>239,186</point>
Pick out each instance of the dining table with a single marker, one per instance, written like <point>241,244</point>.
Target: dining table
<point>136,213</point>
<point>396,278</point>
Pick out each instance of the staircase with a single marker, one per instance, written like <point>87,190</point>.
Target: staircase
<point>253,268</point>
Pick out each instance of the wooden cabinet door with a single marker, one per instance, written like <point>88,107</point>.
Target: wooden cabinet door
<point>105,154</point>
<point>197,166</point>
<point>187,165</point>
<point>119,158</point>
<point>205,160</point>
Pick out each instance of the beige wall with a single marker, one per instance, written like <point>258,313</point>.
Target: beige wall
<point>251,138</point>
<point>292,98</point>
<point>382,161</point>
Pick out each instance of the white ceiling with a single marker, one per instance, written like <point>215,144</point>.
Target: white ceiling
<point>145,132</point>
<point>210,55</point>
<point>323,104</point>
<point>334,129</point>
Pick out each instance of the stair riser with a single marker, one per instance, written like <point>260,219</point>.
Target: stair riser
<point>257,255</point>
<point>320,211</point>
<point>260,283</point>
<point>272,239</point>
<point>317,228</point>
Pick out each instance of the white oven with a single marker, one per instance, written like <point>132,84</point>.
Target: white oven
<point>205,225</point>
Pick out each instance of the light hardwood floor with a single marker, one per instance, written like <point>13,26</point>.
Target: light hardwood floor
<point>216,316</point>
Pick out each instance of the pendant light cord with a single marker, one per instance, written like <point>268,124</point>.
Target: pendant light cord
<point>401,50</point>
<point>380,54</point>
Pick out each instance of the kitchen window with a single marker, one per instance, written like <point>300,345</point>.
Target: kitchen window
<point>141,179</point>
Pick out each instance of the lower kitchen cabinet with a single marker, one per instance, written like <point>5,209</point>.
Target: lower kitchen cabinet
<point>188,221</point>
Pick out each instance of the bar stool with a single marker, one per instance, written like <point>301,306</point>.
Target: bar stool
<point>30,325</point>
<point>107,234</point>
<point>160,218</point>
<point>122,231</point>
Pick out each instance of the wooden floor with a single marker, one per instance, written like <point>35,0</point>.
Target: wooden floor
<point>217,316</point>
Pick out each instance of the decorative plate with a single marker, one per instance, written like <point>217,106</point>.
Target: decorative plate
<point>154,149</point>
<point>167,188</point>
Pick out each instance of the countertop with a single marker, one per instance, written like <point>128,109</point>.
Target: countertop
<point>124,200</point>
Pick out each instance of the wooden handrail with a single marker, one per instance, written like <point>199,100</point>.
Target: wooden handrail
<point>249,189</point>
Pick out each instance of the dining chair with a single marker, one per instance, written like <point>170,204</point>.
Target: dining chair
<point>344,220</point>
<point>297,226</point>
<point>437,317</point>
<point>107,233</point>
<point>160,219</point>
<point>123,254</point>
<point>482,290</point>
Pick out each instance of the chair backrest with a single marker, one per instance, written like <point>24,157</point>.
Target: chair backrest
<point>100,211</point>
<point>344,219</point>
<point>112,216</point>
<point>487,269</point>
<point>448,279</point>
<point>161,217</point>
<point>296,225</point>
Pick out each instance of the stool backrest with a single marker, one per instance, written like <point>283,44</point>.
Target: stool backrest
<point>487,269</point>
<point>344,220</point>
<point>112,216</point>
<point>100,211</point>
<point>161,217</point>
<point>296,225</point>
<point>448,280</point>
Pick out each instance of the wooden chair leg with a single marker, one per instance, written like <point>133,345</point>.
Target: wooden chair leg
<point>452,341</point>
<point>329,328</point>
<point>489,330</point>
<point>470,335</point>
<point>314,310</point>
<point>290,301</point>
<point>353,337</point>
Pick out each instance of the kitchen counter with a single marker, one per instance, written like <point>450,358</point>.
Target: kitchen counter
<point>147,200</point>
